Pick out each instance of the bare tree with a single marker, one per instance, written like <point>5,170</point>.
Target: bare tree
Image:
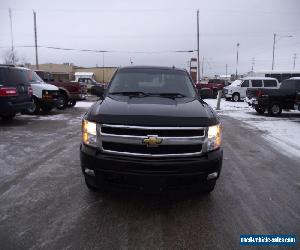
<point>10,57</point>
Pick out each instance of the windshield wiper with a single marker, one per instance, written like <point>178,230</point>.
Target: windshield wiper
<point>130,93</point>
<point>170,95</point>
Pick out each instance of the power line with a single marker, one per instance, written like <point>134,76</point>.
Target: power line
<point>105,51</point>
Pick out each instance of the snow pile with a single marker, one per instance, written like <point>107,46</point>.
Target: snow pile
<point>84,104</point>
<point>282,132</point>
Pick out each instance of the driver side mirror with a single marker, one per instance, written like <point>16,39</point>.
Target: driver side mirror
<point>97,91</point>
<point>205,93</point>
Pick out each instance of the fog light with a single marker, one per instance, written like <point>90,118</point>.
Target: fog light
<point>213,175</point>
<point>89,172</point>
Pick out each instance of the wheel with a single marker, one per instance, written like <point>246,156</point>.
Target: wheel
<point>71,103</point>
<point>8,117</point>
<point>34,108</point>
<point>47,108</point>
<point>209,186</point>
<point>275,109</point>
<point>260,110</point>
<point>236,97</point>
<point>62,101</point>
<point>89,184</point>
<point>228,99</point>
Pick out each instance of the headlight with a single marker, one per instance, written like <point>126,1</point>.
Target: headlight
<point>214,137</point>
<point>89,133</point>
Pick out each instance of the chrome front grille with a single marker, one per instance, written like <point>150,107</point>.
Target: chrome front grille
<point>151,141</point>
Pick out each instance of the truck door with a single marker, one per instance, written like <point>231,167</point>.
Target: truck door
<point>244,86</point>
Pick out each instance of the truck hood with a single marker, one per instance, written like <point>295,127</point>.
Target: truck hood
<point>152,111</point>
<point>43,86</point>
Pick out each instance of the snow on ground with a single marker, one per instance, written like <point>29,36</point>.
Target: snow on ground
<point>84,104</point>
<point>282,132</point>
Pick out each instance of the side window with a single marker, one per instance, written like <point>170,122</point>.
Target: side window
<point>245,84</point>
<point>270,83</point>
<point>256,83</point>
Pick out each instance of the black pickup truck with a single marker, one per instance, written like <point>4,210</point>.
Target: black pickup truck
<point>151,131</point>
<point>287,97</point>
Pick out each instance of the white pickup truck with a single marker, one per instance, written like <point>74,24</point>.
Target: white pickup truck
<point>45,96</point>
<point>237,90</point>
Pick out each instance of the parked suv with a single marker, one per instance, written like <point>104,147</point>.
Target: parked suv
<point>15,91</point>
<point>287,97</point>
<point>151,131</point>
<point>237,90</point>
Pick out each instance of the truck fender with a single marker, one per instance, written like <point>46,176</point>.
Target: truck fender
<point>64,91</point>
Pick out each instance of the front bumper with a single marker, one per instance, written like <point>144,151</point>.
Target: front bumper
<point>149,173</point>
<point>228,95</point>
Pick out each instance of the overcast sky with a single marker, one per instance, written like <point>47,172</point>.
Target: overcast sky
<point>156,26</point>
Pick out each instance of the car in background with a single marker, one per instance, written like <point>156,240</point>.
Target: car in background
<point>213,84</point>
<point>70,92</point>
<point>287,97</point>
<point>15,91</point>
<point>237,90</point>
<point>45,96</point>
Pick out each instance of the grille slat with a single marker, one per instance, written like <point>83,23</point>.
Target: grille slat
<point>171,141</point>
<point>140,132</point>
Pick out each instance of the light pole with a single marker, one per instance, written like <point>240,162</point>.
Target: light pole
<point>237,59</point>
<point>198,58</point>
<point>274,45</point>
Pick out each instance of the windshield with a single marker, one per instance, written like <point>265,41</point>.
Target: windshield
<point>236,83</point>
<point>33,77</point>
<point>152,81</point>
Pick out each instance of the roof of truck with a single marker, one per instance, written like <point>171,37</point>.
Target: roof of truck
<point>258,78</point>
<point>152,67</point>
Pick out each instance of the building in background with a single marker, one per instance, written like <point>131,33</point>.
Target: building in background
<point>65,72</point>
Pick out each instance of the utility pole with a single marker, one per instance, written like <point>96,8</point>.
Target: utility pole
<point>274,44</point>
<point>237,60</point>
<point>35,40</point>
<point>102,67</point>
<point>202,66</point>
<point>12,38</point>
<point>226,69</point>
<point>274,41</point>
<point>294,57</point>
<point>252,63</point>
<point>198,59</point>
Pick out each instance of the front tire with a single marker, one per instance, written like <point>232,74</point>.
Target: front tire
<point>209,186</point>
<point>62,101</point>
<point>90,184</point>
<point>34,107</point>
<point>275,109</point>
<point>236,97</point>
<point>260,110</point>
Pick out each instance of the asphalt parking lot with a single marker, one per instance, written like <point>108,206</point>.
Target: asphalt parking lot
<point>44,202</point>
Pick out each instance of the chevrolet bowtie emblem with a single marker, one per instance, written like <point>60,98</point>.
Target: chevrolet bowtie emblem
<point>152,141</point>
